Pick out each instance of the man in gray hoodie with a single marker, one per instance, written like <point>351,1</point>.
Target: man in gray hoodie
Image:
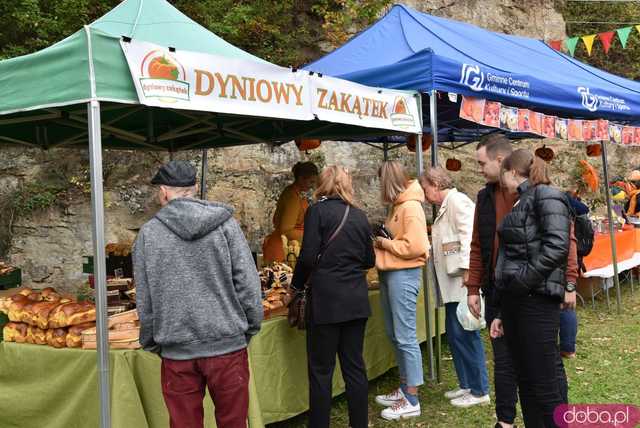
<point>199,300</point>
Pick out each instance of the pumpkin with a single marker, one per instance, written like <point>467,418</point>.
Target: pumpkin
<point>163,68</point>
<point>545,153</point>
<point>594,150</point>
<point>412,141</point>
<point>307,144</point>
<point>453,164</point>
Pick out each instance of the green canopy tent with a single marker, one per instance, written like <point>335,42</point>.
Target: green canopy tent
<point>80,92</point>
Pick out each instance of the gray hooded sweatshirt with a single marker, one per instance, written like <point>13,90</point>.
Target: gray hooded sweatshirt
<point>197,288</point>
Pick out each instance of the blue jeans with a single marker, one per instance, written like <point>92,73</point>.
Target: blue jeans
<point>568,330</point>
<point>399,296</point>
<point>468,354</point>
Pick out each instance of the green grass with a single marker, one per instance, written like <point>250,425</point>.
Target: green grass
<point>606,370</point>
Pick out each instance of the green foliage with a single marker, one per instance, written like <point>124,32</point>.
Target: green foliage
<point>35,197</point>
<point>613,15</point>
<point>285,32</point>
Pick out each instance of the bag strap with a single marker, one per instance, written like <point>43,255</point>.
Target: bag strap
<point>325,246</point>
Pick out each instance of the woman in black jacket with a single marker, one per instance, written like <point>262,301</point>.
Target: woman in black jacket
<point>531,281</point>
<point>338,298</point>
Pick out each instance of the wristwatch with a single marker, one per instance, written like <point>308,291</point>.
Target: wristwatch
<point>570,287</point>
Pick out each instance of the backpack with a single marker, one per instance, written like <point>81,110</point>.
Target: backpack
<point>584,232</point>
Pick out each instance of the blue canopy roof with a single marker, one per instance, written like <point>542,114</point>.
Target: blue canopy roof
<point>407,49</point>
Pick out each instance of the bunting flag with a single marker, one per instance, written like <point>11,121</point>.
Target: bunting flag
<point>623,35</point>
<point>606,39</point>
<point>571,45</point>
<point>556,44</point>
<point>588,42</point>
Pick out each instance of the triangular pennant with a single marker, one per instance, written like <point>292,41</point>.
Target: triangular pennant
<point>556,44</point>
<point>623,35</point>
<point>638,28</point>
<point>571,44</point>
<point>606,39</point>
<point>588,42</point>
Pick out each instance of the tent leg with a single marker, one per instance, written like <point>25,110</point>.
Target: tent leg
<point>425,276</point>
<point>203,176</point>
<point>385,151</point>
<point>614,257</point>
<point>99,260</point>
<point>433,116</point>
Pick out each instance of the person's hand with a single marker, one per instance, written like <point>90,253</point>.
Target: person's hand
<point>379,242</point>
<point>496,329</point>
<point>569,300</point>
<point>465,277</point>
<point>473,301</point>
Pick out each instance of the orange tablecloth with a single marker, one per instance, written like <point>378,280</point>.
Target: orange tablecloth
<point>627,243</point>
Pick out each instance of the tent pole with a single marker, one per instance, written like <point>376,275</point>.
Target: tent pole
<point>612,233</point>
<point>425,270</point>
<point>433,116</point>
<point>99,260</point>
<point>385,151</point>
<point>203,176</point>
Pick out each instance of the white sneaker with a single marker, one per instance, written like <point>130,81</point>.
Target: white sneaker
<point>401,410</point>
<point>456,393</point>
<point>470,400</point>
<point>391,398</point>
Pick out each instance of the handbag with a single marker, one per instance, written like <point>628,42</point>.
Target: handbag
<point>297,316</point>
<point>453,259</point>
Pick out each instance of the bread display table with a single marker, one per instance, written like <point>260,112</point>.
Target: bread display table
<point>58,388</point>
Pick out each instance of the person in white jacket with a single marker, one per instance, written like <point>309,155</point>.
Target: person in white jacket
<point>451,239</point>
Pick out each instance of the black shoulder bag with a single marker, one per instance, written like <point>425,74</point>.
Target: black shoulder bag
<point>298,306</point>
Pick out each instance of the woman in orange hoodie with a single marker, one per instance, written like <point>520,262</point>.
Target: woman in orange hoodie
<point>399,259</point>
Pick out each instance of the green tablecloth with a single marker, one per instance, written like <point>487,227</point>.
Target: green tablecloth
<point>57,388</point>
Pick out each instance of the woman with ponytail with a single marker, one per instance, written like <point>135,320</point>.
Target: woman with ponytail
<point>531,271</point>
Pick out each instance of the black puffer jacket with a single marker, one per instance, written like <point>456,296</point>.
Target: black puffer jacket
<point>534,243</point>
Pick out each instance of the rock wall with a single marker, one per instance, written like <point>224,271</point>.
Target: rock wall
<point>49,244</point>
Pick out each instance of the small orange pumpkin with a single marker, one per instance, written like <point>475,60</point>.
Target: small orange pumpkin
<point>453,164</point>
<point>412,141</point>
<point>594,150</point>
<point>545,153</point>
<point>305,144</point>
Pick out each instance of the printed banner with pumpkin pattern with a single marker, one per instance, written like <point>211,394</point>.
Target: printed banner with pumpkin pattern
<point>203,82</point>
<point>497,115</point>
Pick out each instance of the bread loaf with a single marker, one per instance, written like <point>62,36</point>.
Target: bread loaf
<point>36,335</point>
<point>15,332</point>
<point>125,344</point>
<point>40,313</point>
<point>72,313</point>
<point>16,307</point>
<point>50,295</point>
<point>57,337</point>
<point>74,335</point>
<point>35,297</point>
<point>25,291</point>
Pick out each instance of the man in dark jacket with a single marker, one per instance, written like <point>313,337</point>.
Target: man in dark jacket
<point>493,203</point>
<point>198,298</point>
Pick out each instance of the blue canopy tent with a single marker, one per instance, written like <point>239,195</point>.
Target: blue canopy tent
<point>407,49</point>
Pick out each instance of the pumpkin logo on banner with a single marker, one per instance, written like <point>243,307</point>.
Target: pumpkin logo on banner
<point>163,77</point>
<point>589,101</point>
<point>401,116</point>
<point>472,77</point>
